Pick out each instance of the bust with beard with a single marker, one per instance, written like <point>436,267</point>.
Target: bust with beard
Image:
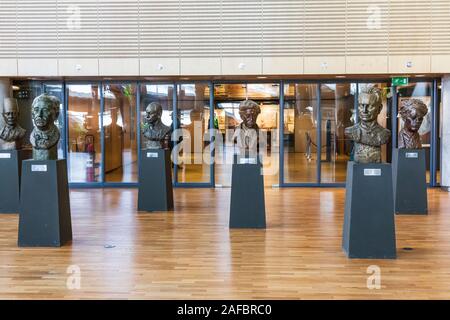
<point>11,133</point>
<point>45,135</point>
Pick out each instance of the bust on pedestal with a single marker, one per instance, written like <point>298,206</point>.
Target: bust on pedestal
<point>11,156</point>
<point>247,203</point>
<point>409,161</point>
<point>45,218</point>
<point>369,226</point>
<point>155,174</point>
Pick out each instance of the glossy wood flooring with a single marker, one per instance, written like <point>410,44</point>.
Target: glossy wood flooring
<point>191,254</point>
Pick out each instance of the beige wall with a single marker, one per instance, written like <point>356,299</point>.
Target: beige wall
<point>223,37</point>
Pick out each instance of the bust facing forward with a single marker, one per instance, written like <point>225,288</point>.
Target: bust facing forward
<point>247,132</point>
<point>45,135</point>
<point>156,134</point>
<point>11,133</point>
<point>368,135</point>
<point>412,112</point>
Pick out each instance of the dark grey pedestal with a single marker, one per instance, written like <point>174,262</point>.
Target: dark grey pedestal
<point>410,182</point>
<point>247,205</point>
<point>10,170</point>
<point>155,181</point>
<point>44,215</point>
<point>369,225</point>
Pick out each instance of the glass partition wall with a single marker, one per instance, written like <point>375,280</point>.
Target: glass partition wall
<point>302,125</point>
<point>227,97</point>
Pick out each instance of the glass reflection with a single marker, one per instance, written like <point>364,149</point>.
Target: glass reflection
<point>227,98</point>
<point>119,125</point>
<point>337,108</point>
<point>193,118</point>
<point>300,133</point>
<point>83,143</point>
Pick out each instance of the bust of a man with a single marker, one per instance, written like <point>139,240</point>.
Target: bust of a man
<point>45,135</point>
<point>412,112</point>
<point>247,132</point>
<point>11,133</point>
<point>156,134</point>
<point>368,135</point>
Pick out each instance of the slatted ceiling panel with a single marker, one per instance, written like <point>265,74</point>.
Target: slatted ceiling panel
<point>8,44</point>
<point>37,29</point>
<point>118,28</point>
<point>200,28</point>
<point>440,22</point>
<point>77,28</point>
<point>409,27</point>
<point>282,28</point>
<point>241,28</point>
<point>159,28</point>
<point>367,27</point>
<point>325,27</point>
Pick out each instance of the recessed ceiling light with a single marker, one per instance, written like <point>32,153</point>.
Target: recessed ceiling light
<point>420,75</point>
<point>340,76</point>
<point>261,77</point>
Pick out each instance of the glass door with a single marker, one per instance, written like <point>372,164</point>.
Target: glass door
<point>119,123</point>
<point>193,121</point>
<point>227,98</point>
<point>299,145</point>
<point>84,146</point>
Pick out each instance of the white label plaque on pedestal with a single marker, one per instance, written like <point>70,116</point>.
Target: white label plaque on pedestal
<point>5,155</point>
<point>411,155</point>
<point>39,168</point>
<point>247,161</point>
<point>152,155</point>
<point>372,172</point>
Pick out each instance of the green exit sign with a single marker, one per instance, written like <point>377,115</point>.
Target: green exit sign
<point>399,81</point>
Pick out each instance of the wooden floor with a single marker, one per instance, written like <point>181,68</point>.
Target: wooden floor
<point>191,253</point>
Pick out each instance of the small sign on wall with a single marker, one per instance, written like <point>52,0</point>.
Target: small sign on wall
<point>372,172</point>
<point>411,155</point>
<point>5,155</point>
<point>247,161</point>
<point>152,155</point>
<point>39,168</point>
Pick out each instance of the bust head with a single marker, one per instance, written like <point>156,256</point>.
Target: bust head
<point>44,111</point>
<point>369,104</point>
<point>153,112</point>
<point>412,111</point>
<point>10,112</point>
<point>249,111</point>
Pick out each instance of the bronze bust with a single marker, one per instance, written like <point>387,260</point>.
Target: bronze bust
<point>412,112</point>
<point>45,135</point>
<point>156,134</point>
<point>368,135</point>
<point>247,132</point>
<point>11,134</point>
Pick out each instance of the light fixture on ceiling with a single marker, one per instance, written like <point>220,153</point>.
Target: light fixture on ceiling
<point>261,77</point>
<point>341,77</point>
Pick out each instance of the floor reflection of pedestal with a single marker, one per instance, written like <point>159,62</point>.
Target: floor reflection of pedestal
<point>44,215</point>
<point>410,184</point>
<point>155,181</point>
<point>10,171</point>
<point>247,205</point>
<point>369,225</point>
